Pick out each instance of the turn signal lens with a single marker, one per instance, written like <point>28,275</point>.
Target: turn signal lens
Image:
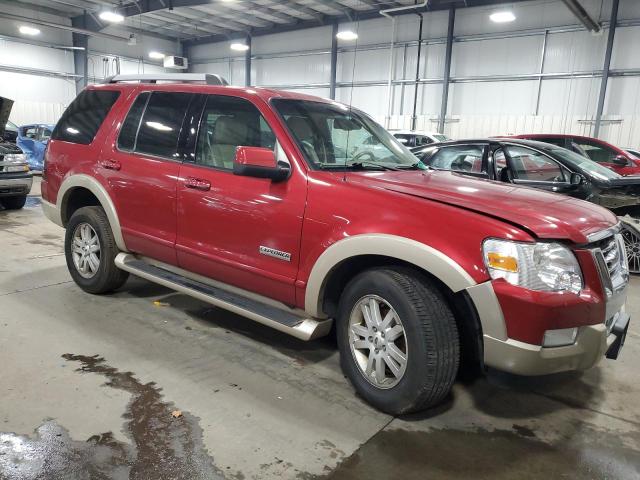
<point>502,262</point>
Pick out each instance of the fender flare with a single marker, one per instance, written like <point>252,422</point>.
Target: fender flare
<point>95,187</point>
<point>422,256</point>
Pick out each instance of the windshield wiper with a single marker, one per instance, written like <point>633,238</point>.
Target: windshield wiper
<point>364,165</point>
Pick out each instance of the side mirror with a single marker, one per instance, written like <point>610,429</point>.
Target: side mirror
<point>576,179</point>
<point>260,163</point>
<point>621,161</point>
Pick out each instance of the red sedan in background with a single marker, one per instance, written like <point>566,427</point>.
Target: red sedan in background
<point>610,156</point>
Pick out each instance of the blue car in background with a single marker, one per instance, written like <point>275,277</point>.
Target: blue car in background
<point>32,140</point>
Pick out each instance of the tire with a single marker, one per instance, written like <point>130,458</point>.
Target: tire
<point>106,277</point>
<point>430,340</point>
<point>14,203</point>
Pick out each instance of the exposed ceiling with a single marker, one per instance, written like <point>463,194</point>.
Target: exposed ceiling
<point>199,21</point>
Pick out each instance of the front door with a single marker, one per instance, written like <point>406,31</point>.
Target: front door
<point>239,230</point>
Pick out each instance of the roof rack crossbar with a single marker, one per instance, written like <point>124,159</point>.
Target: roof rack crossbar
<point>207,78</point>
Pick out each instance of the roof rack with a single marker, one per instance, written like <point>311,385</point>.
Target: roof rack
<point>207,78</point>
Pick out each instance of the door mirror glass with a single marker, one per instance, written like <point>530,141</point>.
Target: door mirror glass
<point>576,179</point>
<point>260,163</point>
<point>621,161</point>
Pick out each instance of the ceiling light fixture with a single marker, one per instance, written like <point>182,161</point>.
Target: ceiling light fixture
<point>109,16</point>
<point>346,35</point>
<point>239,47</point>
<point>26,30</point>
<point>156,55</point>
<point>502,17</point>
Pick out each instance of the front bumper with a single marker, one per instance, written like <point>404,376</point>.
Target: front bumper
<point>15,184</point>
<point>593,342</point>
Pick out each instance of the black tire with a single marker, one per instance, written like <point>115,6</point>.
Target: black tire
<point>14,203</point>
<point>108,277</point>
<point>431,335</point>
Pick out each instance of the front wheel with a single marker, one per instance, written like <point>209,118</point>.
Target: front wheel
<point>398,340</point>
<point>90,250</point>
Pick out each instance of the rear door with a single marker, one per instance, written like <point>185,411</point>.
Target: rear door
<point>141,164</point>
<point>239,230</point>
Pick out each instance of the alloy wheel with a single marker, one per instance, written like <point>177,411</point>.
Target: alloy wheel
<point>378,341</point>
<point>85,249</point>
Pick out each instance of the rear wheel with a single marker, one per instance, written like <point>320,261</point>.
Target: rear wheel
<point>90,250</point>
<point>398,340</point>
<point>14,203</point>
<point>632,245</point>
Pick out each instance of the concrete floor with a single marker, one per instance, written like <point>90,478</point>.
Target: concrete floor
<point>250,403</point>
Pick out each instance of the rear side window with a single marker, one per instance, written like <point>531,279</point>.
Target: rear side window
<point>82,119</point>
<point>129,130</point>
<point>160,128</point>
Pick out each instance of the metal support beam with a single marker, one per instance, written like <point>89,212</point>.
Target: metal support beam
<point>414,115</point>
<point>543,54</point>
<point>80,57</point>
<point>607,64</point>
<point>247,63</point>
<point>582,15</point>
<point>387,122</point>
<point>334,61</point>
<point>447,70</point>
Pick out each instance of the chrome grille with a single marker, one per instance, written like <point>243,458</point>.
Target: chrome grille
<point>611,258</point>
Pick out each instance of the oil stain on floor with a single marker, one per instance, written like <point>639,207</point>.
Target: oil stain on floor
<point>162,445</point>
<point>482,454</point>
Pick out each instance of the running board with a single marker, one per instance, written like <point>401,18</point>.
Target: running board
<point>286,321</point>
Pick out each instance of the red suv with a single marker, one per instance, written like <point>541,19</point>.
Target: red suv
<point>610,156</point>
<point>267,203</point>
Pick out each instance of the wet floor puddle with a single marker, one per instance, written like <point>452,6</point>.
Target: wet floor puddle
<point>483,454</point>
<point>163,446</point>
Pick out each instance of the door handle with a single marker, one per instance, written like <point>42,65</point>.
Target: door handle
<point>110,164</point>
<point>197,183</point>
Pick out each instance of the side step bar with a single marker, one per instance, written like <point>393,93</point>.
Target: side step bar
<point>287,321</point>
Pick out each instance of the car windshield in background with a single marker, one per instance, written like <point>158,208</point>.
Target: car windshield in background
<point>335,136</point>
<point>441,138</point>
<point>586,165</point>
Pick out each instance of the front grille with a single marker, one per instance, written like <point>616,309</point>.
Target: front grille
<point>611,258</point>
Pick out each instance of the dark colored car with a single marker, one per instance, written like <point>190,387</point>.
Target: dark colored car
<point>15,178</point>
<point>548,167</point>
<point>610,156</point>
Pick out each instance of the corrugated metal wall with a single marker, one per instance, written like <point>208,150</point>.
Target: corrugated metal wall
<point>569,89</point>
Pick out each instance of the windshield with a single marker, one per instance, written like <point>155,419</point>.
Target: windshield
<point>11,126</point>
<point>586,165</point>
<point>334,136</point>
<point>441,138</point>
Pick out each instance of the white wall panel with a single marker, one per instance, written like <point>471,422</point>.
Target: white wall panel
<point>499,56</point>
<point>626,52</point>
<point>574,51</point>
<point>623,96</point>
<point>291,70</point>
<point>577,96</point>
<point>506,98</point>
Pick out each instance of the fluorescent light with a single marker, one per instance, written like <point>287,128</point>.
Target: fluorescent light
<point>26,30</point>
<point>156,55</point>
<point>502,17</point>
<point>109,16</point>
<point>346,35</point>
<point>240,47</point>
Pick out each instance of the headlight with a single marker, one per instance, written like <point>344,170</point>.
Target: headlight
<point>549,267</point>
<point>19,159</point>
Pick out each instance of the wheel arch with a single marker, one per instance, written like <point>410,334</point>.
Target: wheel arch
<point>82,190</point>
<point>381,246</point>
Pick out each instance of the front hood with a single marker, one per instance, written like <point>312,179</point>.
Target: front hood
<point>8,147</point>
<point>5,111</point>
<point>543,214</point>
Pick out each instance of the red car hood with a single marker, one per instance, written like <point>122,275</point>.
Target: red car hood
<point>546,215</point>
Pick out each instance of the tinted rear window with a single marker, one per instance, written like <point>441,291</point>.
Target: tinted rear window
<point>129,130</point>
<point>82,119</point>
<point>160,128</point>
